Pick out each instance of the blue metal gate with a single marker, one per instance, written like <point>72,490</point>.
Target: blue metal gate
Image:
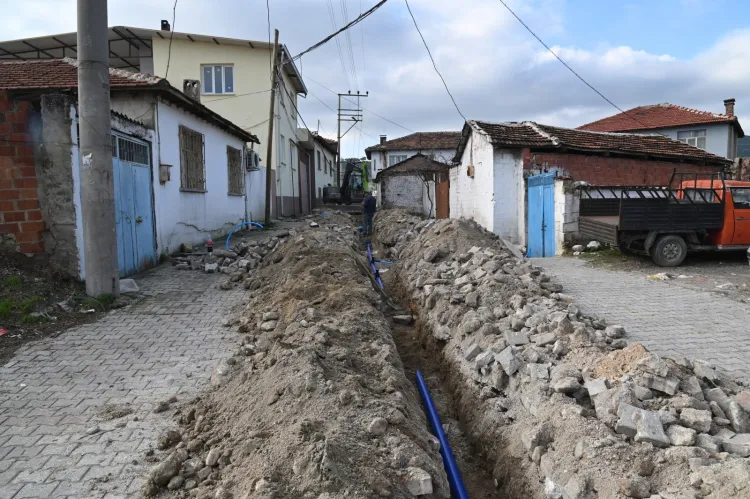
<point>134,218</point>
<point>541,215</point>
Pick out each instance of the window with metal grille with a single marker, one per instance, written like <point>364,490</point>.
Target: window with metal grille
<point>234,166</point>
<point>132,151</point>
<point>192,164</point>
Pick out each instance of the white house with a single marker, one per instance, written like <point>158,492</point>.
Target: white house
<point>494,160</point>
<point>713,132</point>
<point>179,168</point>
<point>234,77</point>
<point>325,162</point>
<point>412,185</point>
<point>440,146</point>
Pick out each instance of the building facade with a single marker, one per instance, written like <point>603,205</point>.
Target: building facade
<point>713,132</point>
<point>440,146</point>
<point>179,168</point>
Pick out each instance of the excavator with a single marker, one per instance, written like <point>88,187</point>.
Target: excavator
<point>346,194</point>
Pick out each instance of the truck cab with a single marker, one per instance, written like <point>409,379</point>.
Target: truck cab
<point>696,212</point>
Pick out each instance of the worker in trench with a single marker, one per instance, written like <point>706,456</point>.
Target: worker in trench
<point>369,207</point>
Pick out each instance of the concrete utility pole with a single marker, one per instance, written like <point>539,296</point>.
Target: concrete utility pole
<point>352,116</point>
<point>97,182</point>
<point>271,119</point>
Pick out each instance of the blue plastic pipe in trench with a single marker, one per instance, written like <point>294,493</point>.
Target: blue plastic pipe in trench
<point>458,491</point>
<point>237,227</point>
<point>372,265</point>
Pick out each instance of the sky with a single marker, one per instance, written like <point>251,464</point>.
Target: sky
<point>694,53</point>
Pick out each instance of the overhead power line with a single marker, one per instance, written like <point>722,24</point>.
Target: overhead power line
<point>349,25</point>
<point>270,55</point>
<point>332,16</point>
<point>171,35</point>
<point>368,110</point>
<point>571,69</point>
<point>433,60</point>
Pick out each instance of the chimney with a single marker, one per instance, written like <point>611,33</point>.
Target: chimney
<point>383,138</point>
<point>192,88</point>
<point>165,25</point>
<point>729,107</point>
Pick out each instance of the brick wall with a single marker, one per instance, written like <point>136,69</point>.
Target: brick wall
<point>601,170</point>
<point>21,221</point>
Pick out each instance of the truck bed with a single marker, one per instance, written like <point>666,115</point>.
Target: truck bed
<point>599,228</point>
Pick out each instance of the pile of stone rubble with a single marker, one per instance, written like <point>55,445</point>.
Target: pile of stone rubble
<point>314,403</point>
<point>558,401</point>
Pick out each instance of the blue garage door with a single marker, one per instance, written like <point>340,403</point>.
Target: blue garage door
<point>541,219</point>
<point>136,248</point>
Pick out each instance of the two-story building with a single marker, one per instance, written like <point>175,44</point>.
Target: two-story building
<point>325,162</point>
<point>713,132</point>
<point>234,76</point>
<point>440,146</point>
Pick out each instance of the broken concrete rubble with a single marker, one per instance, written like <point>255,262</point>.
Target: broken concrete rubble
<point>512,289</point>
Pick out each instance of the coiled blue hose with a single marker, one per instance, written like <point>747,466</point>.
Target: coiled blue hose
<point>237,227</point>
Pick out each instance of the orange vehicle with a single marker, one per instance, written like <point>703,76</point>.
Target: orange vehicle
<point>702,212</point>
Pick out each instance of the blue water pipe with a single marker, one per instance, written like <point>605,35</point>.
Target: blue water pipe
<point>372,265</point>
<point>458,491</point>
<point>237,227</point>
<point>386,262</point>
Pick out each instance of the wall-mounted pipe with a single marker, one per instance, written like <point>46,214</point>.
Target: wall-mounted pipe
<point>237,227</point>
<point>458,491</point>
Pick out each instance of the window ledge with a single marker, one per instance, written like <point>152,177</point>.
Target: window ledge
<point>225,93</point>
<point>236,194</point>
<point>197,191</point>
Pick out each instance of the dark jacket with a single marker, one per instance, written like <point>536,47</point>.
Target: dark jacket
<point>369,205</point>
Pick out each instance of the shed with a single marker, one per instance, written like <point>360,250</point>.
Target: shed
<point>419,184</point>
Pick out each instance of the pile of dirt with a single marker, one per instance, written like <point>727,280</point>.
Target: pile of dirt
<point>556,400</point>
<point>315,403</point>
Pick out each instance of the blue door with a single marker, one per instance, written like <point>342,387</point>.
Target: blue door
<point>134,218</point>
<point>541,215</point>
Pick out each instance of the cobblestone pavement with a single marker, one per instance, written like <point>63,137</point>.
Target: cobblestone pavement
<point>54,390</point>
<point>669,320</point>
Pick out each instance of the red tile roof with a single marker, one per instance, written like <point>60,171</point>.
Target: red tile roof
<point>419,141</point>
<point>657,116</point>
<point>536,136</point>
<point>62,74</point>
<point>329,144</point>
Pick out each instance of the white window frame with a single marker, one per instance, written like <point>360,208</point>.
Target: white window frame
<point>213,80</point>
<point>693,137</point>
<point>397,158</point>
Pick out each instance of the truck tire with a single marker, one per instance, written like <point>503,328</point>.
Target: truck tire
<point>669,251</point>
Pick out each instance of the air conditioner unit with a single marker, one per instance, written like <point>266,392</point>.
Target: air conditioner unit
<point>252,160</point>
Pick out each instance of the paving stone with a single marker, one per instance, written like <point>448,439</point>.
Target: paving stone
<point>679,435</point>
<point>137,355</point>
<point>738,444</point>
<point>517,338</point>
<point>472,352</point>
<point>666,385</point>
<point>596,386</point>
<point>668,319</point>
<point>509,360</point>
<point>708,443</point>
<point>696,419</point>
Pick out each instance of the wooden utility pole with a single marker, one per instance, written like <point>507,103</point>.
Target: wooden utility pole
<point>97,184</point>
<point>271,119</point>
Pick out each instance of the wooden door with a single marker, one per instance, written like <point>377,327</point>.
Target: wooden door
<point>442,193</point>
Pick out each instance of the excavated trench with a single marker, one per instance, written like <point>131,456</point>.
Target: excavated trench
<point>417,353</point>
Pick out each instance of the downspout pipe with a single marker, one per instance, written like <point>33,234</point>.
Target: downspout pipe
<point>372,265</point>
<point>458,491</point>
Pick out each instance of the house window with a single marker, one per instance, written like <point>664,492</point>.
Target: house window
<point>325,166</point>
<point>317,159</point>
<point>218,79</point>
<point>695,138</point>
<point>282,155</point>
<point>234,168</point>
<point>741,198</point>
<point>192,164</point>
<point>374,165</point>
<point>392,160</point>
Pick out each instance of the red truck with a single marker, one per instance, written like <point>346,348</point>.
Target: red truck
<point>696,212</point>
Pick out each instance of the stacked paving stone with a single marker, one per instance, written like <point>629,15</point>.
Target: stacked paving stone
<point>524,362</point>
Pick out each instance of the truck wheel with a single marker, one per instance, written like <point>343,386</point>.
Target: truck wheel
<point>669,251</point>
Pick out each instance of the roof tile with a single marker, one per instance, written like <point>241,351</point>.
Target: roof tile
<point>420,140</point>
<point>656,116</point>
<point>533,135</point>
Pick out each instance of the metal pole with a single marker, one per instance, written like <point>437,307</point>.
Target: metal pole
<point>269,147</point>
<point>97,182</point>
<point>338,145</point>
